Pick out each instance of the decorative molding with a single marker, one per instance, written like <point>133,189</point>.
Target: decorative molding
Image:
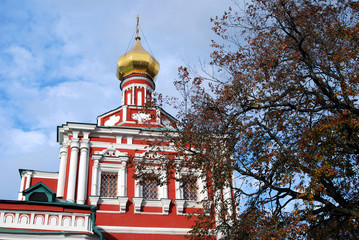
<point>53,221</point>
<point>180,206</point>
<point>141,117</point>
<point>151,203</point>
<point>165,205</point>
<point>123,203</point>
<point>111,151</point>
<point>94,200</point>
<point>137,202</point>
<point>108,201</point>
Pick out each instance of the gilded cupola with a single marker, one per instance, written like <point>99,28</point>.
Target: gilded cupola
<point>137,60</point>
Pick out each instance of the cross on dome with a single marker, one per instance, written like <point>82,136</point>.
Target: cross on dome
<point>137,60</point>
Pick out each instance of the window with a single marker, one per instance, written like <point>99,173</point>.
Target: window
<point>150,190</point>
<point>190,188</point>
<point>108,184</point>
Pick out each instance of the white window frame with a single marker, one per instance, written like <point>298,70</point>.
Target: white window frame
<point>118,166</point>
<point>202,191</point>
<point>162,201</point>
<point>162,190</point>
<point>110,168</point>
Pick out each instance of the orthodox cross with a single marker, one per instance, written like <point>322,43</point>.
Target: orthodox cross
<point>137,28</point>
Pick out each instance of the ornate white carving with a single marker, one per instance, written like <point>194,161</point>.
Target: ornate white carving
<point>141,117</point>
<point>167,123</point>
<point>112,120</point>
<point>111,151</point>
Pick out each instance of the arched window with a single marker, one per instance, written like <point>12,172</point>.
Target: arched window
<point>39,197</point>
<point>139,98</point>
<point>129,98</point>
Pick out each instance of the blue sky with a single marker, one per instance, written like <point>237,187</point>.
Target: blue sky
<point>58,61</point>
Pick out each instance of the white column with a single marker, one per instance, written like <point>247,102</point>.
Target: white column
<point>73,170</point>
<point>21,187</point>
<point>94,178</point>
<point>83,172</point>
<point>122,177</point>
<point>62,171</point>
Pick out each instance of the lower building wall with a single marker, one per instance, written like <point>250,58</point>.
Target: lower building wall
<point>132,236</point>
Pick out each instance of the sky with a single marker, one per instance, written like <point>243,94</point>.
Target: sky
<point>58,62</point>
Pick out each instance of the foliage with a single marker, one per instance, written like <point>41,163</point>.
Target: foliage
<point>282,114</point>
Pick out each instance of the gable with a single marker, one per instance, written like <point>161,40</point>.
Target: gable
<point>39,193</point>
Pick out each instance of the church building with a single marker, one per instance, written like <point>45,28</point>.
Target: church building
<point>94,194</point>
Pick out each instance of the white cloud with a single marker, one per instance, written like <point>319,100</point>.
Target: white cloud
<point>58,62</point>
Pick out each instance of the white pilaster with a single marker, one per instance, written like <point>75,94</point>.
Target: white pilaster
<point>62,171</point>
<point>122,177</point>
<point>164,187</point>
<point>123,98</point>
<point>21,187</point>
<point>179,194</point>
<point>28,179</point>
<point>73,169</point>
<point>83,172</point>
<point>202,192</point>
<point>94,191</point>
<point>138,189</point>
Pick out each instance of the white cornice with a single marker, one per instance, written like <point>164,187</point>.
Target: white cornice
<point>144,230</point>
<point>50,175</point>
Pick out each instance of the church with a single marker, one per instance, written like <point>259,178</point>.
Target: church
<point>94,194</point>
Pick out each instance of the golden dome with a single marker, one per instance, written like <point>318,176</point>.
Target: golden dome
<point>137,60</point>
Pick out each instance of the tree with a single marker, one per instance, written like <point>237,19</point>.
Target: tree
<point>282,114</point>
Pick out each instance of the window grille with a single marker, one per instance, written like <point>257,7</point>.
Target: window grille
<point>150,190</point>
<point>108,185</point>
<point>190,188</point>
